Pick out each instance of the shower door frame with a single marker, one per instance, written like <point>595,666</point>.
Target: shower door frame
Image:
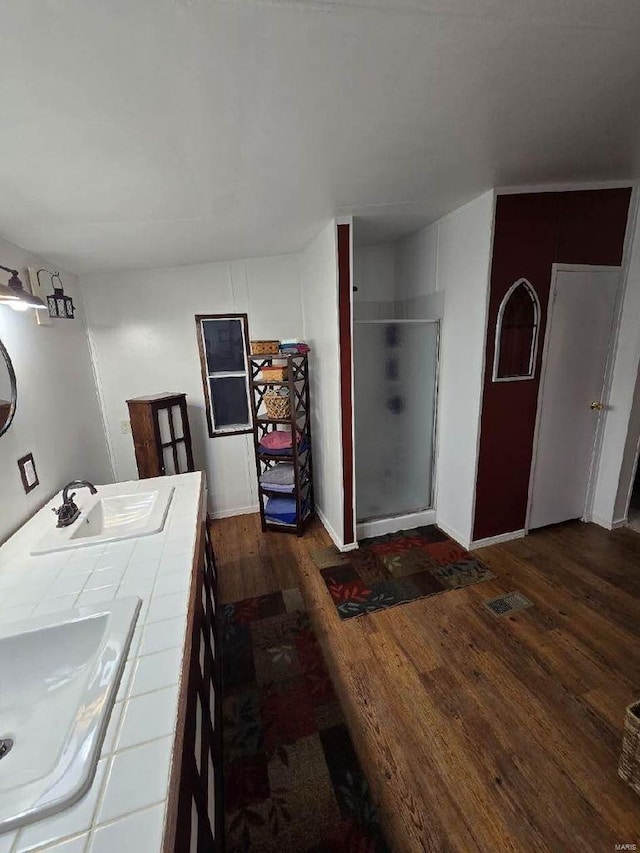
<point>378,525</point>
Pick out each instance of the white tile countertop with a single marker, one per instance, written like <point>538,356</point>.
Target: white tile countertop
<point>124,809</point>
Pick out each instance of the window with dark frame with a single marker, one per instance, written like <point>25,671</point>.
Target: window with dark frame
<point>224,358</point>
<point>517,334</point>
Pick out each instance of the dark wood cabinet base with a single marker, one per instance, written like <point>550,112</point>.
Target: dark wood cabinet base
<point>195,813</point>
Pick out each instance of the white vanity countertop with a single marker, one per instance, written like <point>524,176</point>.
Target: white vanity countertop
<point>124,809</point>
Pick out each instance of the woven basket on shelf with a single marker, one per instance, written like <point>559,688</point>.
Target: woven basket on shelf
<point>278,406</point>
<point>274,374</point>
<point>265,347</point>
<point>629,767</point>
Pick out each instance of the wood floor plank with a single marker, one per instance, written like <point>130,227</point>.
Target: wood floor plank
<point>480,733</point>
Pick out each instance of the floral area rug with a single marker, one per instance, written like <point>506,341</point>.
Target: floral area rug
<point>395,569</point>
<point>292,781</point>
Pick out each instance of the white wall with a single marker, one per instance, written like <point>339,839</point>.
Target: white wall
<point>374,271</point>
<point>622,424</point>
<point>417,294</point>
<point>144,339</point>
<point>319,275</point>
<point>463,254</point>
<point>57,417</point>
<point>398,280</point>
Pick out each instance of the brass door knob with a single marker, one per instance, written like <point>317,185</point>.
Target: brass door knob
<point>597,406</point>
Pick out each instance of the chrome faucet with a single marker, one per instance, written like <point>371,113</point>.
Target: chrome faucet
<point>69,511</point>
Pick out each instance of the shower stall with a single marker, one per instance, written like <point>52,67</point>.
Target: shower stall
<point>395,397</point>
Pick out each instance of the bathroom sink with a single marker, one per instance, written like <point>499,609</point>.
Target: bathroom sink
<point>60,675</point>
<point>109,518</point>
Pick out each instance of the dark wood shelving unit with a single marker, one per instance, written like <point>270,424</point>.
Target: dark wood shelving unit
<point>161,434</point>
<point>297,384</point>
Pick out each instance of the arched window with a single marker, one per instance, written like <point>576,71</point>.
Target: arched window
<point>517,333</point>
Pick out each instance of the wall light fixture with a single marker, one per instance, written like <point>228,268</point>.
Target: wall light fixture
<point>15,296</point>
<point>60,305</point>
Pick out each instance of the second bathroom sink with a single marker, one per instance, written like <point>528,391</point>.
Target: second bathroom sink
<point>60,675</point>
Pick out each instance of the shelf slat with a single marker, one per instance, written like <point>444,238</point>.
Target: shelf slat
<point>276,457</point>
<point>271,356</point>
<point>282,420</point>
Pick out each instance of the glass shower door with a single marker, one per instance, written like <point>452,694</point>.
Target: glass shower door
<point>395,384</point>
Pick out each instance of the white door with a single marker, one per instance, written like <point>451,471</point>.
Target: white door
<point>579,328</point>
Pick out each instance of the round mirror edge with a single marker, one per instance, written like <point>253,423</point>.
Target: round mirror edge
<point>14,388</point>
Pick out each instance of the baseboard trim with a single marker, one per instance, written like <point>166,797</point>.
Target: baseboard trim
<point>608,525</point>
<point>334,536</point>
<point>596,519</point>
<point>228,513</point>
<point>496,540</point>
<point>381,526</point>
<point>457,537</point>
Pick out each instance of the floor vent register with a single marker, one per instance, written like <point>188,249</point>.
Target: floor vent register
<point>508,603</point>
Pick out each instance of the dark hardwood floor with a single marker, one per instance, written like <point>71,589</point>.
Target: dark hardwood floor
<point>480,733</point>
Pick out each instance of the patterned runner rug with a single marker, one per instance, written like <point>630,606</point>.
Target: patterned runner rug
<point>292,780</point>
<point>396,568</point>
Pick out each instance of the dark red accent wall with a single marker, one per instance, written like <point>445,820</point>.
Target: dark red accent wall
<point>532,231</point>
<point>344,306</point>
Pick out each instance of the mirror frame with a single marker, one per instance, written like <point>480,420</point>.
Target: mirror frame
<point>14,387</point>
<point>533,349</point>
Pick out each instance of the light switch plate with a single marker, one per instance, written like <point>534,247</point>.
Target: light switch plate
<point>28,472</point>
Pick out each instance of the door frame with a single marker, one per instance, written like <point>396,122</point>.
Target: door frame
<point>606,385</point>
<point>344,260</point>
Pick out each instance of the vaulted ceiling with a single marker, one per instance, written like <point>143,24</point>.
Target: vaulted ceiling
<point>145,133</point>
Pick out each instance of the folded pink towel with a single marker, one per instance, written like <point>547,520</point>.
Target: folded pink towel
<point>277,439</point>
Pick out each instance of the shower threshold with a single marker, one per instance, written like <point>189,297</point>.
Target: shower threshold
<point>370,527</point>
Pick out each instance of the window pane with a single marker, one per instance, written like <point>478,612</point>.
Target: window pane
<point>229,402</point>
<point>163,426</point>
<point>226,373</point>
<point>183,465</point>
<point>169,461</point>
<point>176,417</point>
<point>224,345</point>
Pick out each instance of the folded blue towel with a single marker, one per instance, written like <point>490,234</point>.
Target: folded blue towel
<point>282,510</point>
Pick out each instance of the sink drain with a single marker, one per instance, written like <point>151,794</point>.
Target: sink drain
<point>6,745</point>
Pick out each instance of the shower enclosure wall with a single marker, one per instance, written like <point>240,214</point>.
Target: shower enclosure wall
<point>395,394</point>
